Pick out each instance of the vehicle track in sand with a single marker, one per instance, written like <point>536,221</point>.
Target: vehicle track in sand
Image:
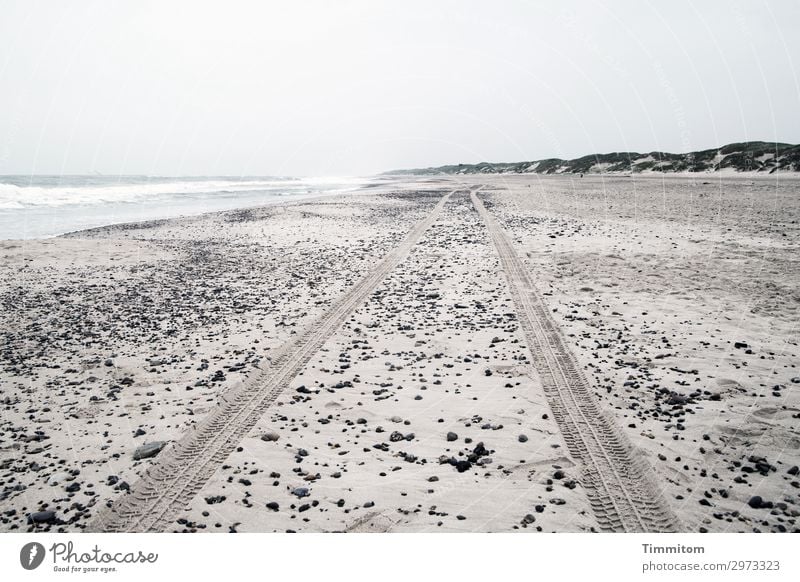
<point>619,483</point>
<point>181,470</point>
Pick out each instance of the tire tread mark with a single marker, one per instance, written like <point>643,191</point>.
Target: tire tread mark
<point>183,468</point>
<point>619,483</point>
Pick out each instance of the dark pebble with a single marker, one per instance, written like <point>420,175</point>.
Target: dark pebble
<point>42,517</point>
<point>148,450</point>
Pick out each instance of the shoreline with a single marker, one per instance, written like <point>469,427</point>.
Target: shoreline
<point>400,178</point>
<point>183,217</point>
<point>41,210</point>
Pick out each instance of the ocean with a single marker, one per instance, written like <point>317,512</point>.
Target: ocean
<point>46,206</point>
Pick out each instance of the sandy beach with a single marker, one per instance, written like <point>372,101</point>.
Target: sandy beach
<point>471,354</point>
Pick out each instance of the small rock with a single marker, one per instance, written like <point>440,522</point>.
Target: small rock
<point>57,478</point>
<point>676,398</point>
<point>462,466</point>
<point>148,450</point>
<point>451,436</point>
<point>42,517</point>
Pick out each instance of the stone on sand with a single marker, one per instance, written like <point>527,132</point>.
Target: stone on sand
<point>148,450</point>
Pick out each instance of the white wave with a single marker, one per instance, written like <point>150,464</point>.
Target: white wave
<point>20,197</point>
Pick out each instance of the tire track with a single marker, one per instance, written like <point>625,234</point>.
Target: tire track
<point>619,483</point>
<point>182,469</point>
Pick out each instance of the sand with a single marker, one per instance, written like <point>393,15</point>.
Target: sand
<point>677,299</point>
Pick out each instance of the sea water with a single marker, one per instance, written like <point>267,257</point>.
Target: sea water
<point>45,206</point>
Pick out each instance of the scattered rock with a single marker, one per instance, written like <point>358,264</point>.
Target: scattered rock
<point>528,519</point>
<point>42,517</point>
<point>301,491</point>
<point>148,450</point>
<point>756,502</point>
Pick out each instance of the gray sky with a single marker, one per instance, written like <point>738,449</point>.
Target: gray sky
<point>343,88</point>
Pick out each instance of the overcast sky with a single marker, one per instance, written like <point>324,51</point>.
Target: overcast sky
<point>345,88</point>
